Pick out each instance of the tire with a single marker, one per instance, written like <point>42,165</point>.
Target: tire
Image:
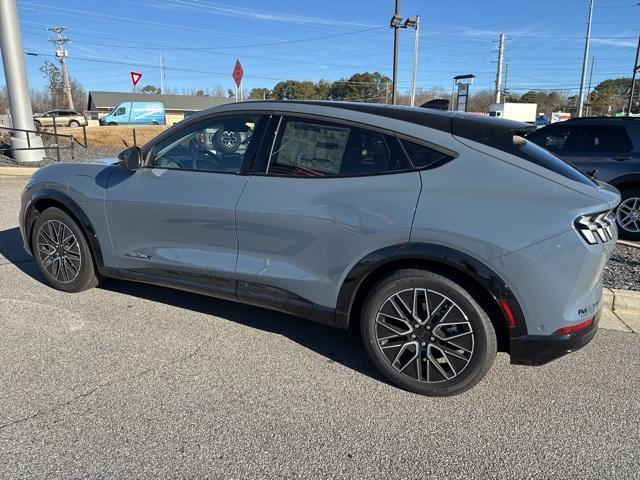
<point>407,349</point>
<point>226,141</point>
<point>37,125</point>
<point>51,237</point>
<point>628,215</point>
<point>74,124</point>
<point>112,124</point>
<point>154,123</point>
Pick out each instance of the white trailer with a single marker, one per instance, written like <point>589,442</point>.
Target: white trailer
<point>522,112</point>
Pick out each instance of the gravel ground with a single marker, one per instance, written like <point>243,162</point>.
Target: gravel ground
<point>623,270</point>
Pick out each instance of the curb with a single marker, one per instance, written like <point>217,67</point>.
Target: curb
<point>17,171</point>
<point>621,310</point>
<point>629,244</point>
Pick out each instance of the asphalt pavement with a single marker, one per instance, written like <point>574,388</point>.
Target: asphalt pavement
<point>132,381</point>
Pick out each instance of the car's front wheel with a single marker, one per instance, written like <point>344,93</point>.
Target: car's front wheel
<point>427,334</point>
<point>628,215</point>
<point>61,252</point>
<point>74,124</point>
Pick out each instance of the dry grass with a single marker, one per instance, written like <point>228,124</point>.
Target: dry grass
<point>114,136</point>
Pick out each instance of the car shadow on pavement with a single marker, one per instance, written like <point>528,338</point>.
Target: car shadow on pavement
<point>333,344</point>
<point>12,251</point>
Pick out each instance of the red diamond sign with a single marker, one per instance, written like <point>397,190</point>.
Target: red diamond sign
<point>135,77</point>
<point>237,73</point>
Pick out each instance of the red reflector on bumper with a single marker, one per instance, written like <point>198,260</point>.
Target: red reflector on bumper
<point>506,308</point>
<point>574,328</point>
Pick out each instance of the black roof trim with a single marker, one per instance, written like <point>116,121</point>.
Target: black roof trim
<point>491,131</point>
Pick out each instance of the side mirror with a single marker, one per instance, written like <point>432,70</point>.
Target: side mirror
<point>131,158</point>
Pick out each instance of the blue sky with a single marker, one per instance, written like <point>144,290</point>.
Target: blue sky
<point>295,39</point>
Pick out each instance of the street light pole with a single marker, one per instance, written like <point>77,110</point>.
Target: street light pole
<point>395,24</point>
<point>416,43</point>
<point>633,79</point>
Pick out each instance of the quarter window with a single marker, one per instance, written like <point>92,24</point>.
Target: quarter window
<point>215,145</point>
<point>422,156</point>
<point>310,148</point>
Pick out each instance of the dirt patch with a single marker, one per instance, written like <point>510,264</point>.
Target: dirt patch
<point>114,136</point>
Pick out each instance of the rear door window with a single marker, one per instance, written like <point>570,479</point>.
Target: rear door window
<point>315,148</point>
<point>605,139</point>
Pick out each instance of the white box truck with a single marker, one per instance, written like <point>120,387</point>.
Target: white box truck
<point>522,112</point>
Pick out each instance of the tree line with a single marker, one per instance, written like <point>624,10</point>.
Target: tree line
<point>608,97</point>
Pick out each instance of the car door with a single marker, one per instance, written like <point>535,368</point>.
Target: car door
<point>325,194</point>
<point>605,151</point>
<point>175,217</point>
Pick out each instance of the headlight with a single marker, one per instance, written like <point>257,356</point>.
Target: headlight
<point>597,228</point>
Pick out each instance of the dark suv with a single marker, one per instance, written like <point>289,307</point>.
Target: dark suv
<point>606,148</point>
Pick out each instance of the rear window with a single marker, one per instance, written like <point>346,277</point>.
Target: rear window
<point>535,154</point>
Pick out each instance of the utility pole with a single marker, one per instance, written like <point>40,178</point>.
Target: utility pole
<point>416,43</point>
<point>17,87</point>
<point>506,78</point>
<point>395,24</point>
<point>161,73</point>
<point>499,72</point>
<point>593,64</point>
<point>585,60</point>
<point>60,43</point>
<point>633,79</point>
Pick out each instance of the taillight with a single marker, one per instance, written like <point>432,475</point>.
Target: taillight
<point>597,228</point>
<point>574,328</point>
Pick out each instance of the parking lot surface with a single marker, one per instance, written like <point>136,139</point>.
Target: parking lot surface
<point>136,381</point>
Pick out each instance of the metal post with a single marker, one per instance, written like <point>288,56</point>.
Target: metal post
<point>135,140</point>
<point>633,80</point>
<point>84,135</point>
<point>395,56</point>
<point>415,61</point>
<point>585,60</point>
<point>499,72</point>
<point>17,86</point>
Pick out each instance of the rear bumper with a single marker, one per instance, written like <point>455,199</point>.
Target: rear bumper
<point>541,349</point>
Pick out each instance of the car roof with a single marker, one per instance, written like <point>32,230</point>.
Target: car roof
<point>603,119</point>
<point>491,131</point>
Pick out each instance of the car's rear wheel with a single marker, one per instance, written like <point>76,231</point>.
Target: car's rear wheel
<point>74,124</point>
<point>37,125</point>
<point>427,334</point>
<point>62,253</point>
<point>628,215</point>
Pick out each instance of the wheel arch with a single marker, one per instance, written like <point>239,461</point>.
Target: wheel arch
<point>491,292</point>
<point>625,182</point>
<point>46,198</point>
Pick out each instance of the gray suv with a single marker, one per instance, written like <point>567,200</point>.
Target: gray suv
<point>606,148</point>
<point>443,237</point>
